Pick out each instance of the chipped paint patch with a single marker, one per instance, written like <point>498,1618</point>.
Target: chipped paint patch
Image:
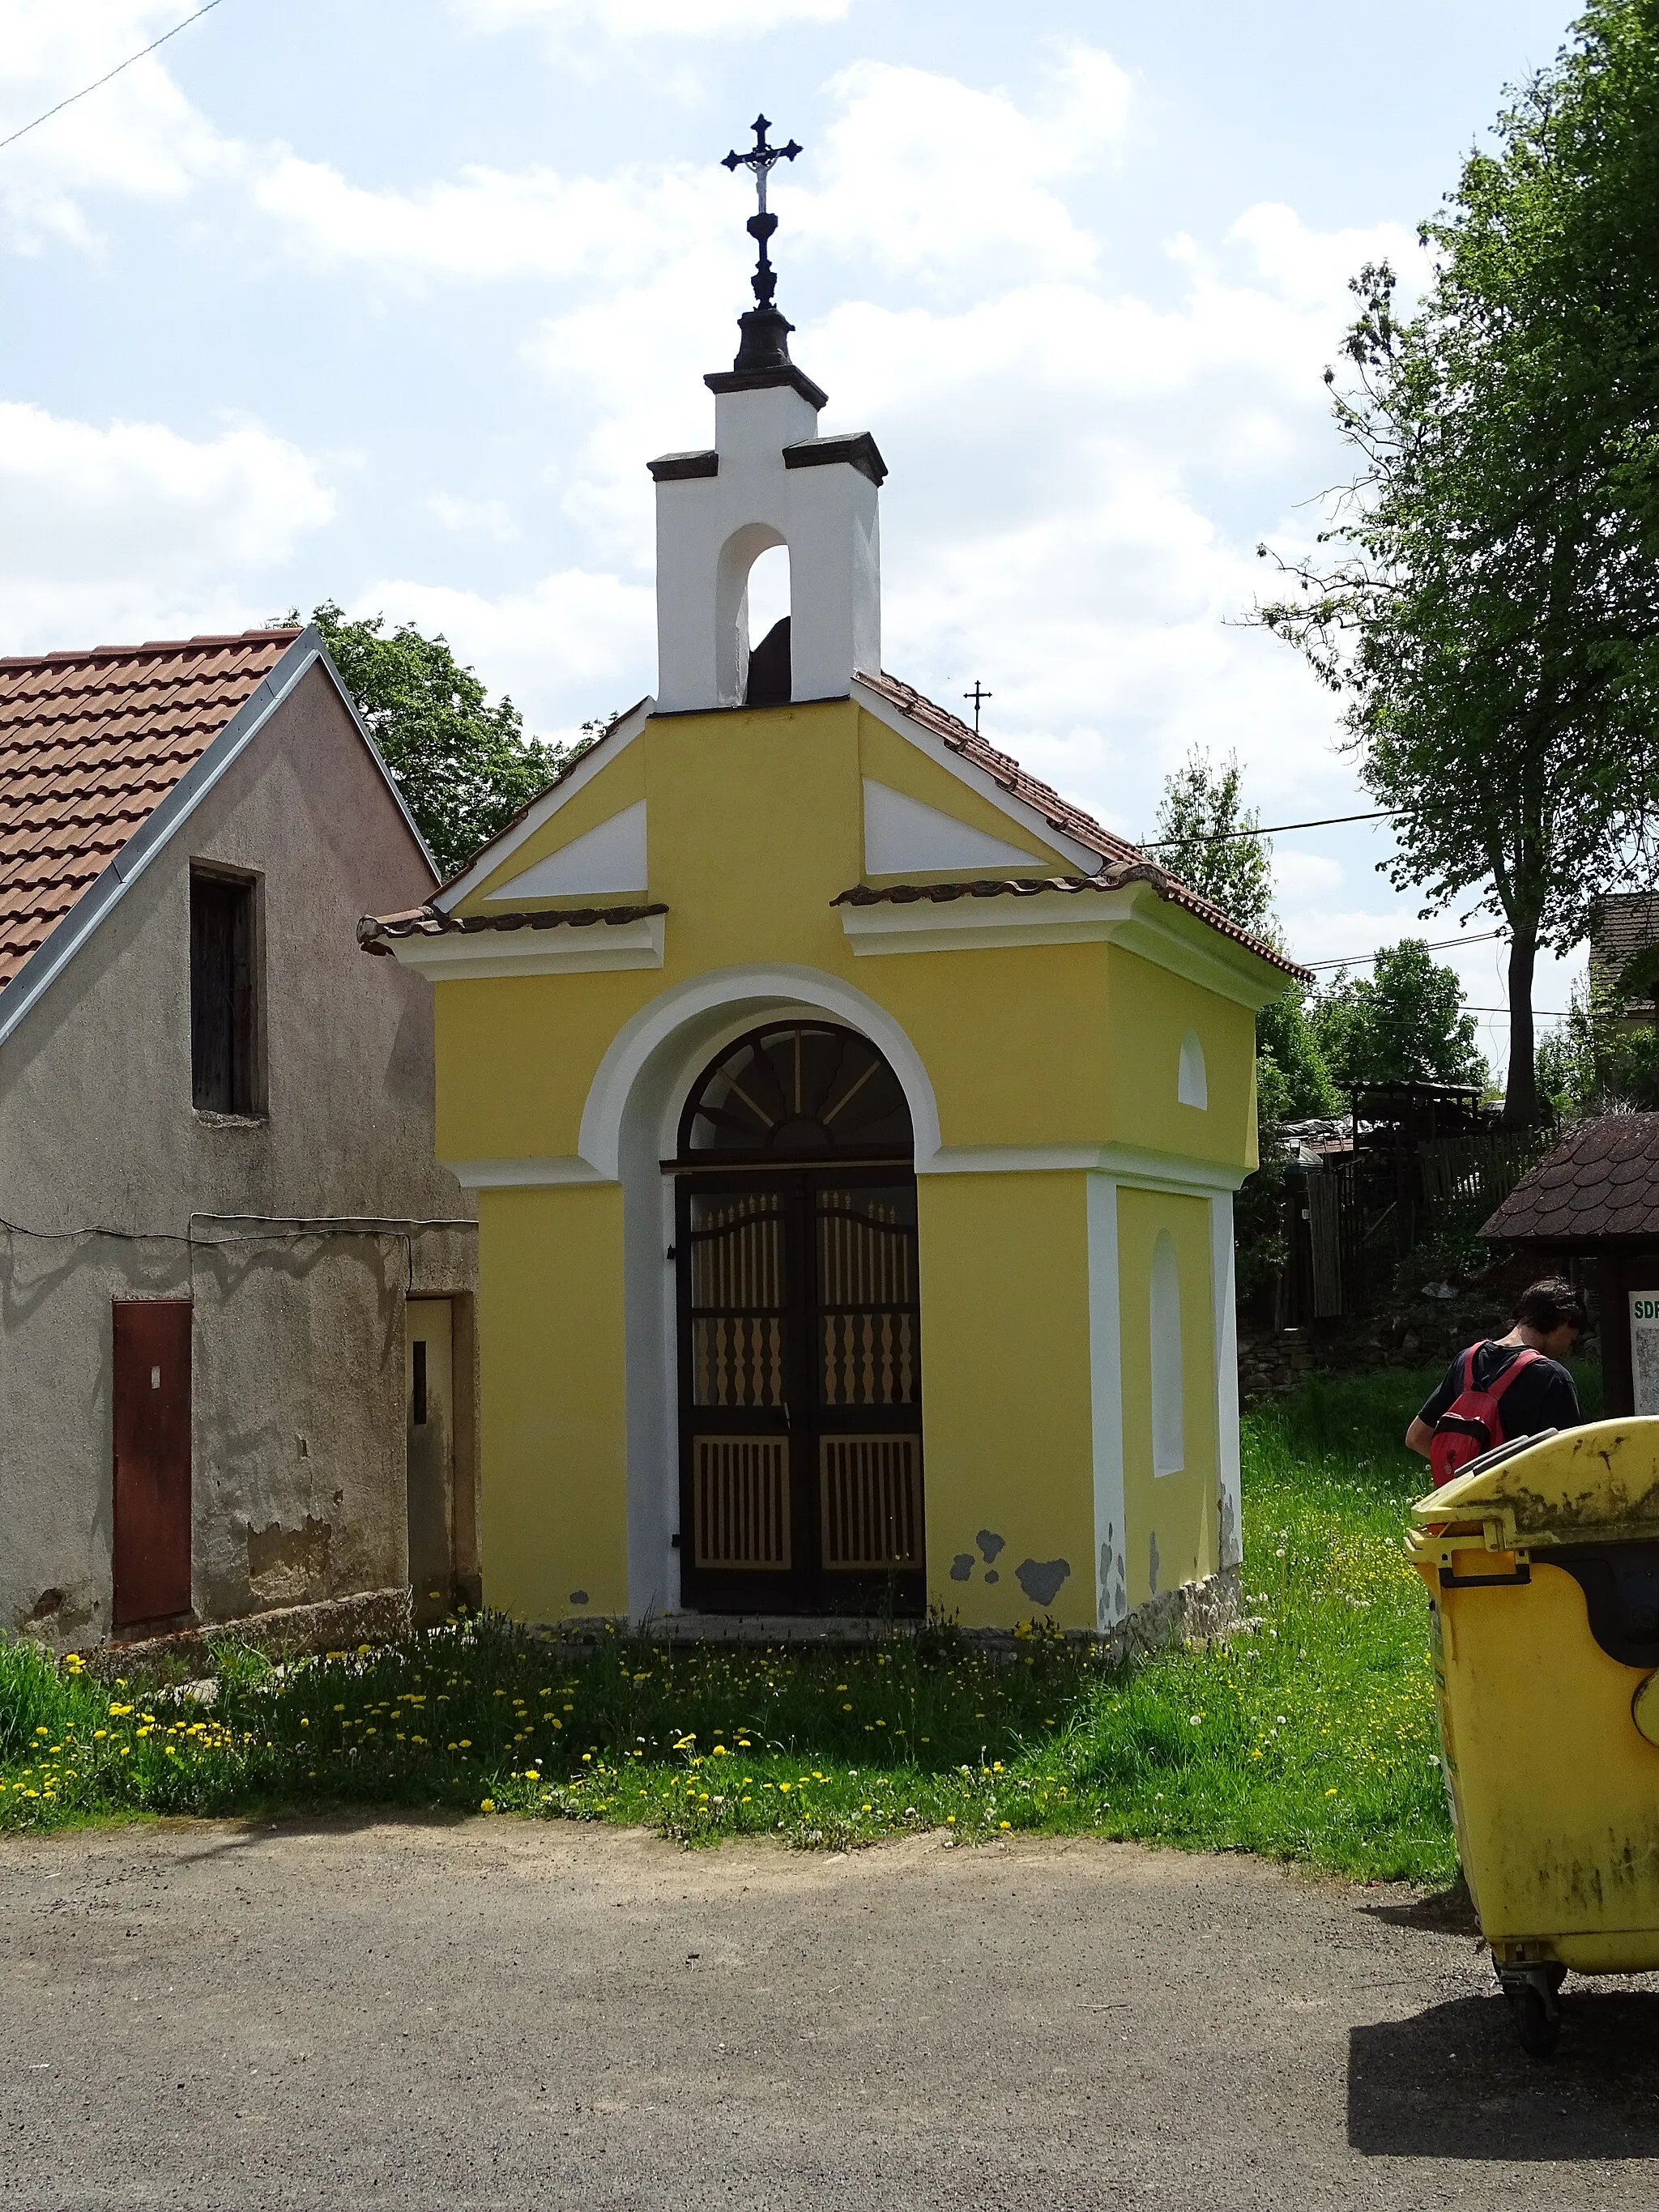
<point>1151,1563</point>
<point>962,1566</point>
<point>990,1544</point>
<point>1041,1579</point>
<point>578,1597</point>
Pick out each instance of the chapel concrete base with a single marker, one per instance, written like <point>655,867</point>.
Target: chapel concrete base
<point>1191,1613</point>
<point>285,1632</point>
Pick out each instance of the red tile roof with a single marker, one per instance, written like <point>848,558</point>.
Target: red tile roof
<point>90,745</point>
<point>1602,1180</point>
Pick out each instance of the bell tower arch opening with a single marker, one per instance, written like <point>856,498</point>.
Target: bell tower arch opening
<point>752,617</point>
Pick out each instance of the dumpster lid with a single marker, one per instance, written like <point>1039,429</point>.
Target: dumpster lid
<point>1598,1484</point>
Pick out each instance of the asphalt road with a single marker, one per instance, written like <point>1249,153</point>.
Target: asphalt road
<point>492,2014</point>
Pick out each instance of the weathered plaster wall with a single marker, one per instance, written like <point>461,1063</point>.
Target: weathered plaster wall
<point>297,1341</point>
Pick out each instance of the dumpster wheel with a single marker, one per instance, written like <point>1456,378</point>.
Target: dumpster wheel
<point>1533,1993</point>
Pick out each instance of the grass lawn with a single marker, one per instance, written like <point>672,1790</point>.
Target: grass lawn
<point>1312,1738</point>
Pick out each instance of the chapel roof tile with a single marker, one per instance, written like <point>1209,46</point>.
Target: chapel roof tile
<point>376,930</point>
<point>91,743</point>
<point>1113,876</point>
<point>1602,1180</point>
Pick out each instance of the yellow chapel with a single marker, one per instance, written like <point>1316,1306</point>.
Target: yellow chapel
<point>853,1124</point>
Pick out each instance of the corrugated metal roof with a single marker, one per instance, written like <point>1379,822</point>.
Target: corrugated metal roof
<point>91,743</point>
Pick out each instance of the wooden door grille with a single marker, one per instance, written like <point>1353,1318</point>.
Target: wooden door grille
<point>740,1488</point>
<point>867,1311</point>
<point>737,1301</point>
<point>870,1502</point>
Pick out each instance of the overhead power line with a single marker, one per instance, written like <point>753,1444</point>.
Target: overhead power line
<point>99,82</point>
<point>1274,829</point>
<point>1435,945</point>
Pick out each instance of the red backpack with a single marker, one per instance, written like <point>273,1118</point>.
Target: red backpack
<point>1470,1425</point>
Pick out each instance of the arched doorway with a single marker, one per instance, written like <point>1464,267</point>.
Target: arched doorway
<point>799,1329</point>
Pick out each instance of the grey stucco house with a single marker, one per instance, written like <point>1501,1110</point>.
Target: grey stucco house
<point>236,1354</point>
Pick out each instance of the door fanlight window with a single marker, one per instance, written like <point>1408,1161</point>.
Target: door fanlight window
<point>797,1090</point>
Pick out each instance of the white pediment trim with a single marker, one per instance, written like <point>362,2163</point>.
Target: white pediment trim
<point>594,761</point>
<point>1083,858</point>
<point>608,858</point>
<point>1134,917</point>
<point>901,838</point>
<point>565,951</point>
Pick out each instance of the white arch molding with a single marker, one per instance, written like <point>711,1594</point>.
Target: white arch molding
<point>629,1125</point>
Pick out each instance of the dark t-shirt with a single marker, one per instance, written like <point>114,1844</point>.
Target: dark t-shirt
<point>1542,1397</point>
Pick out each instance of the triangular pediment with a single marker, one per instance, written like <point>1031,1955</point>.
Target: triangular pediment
<point>903,836</point>
<point>611,857</point>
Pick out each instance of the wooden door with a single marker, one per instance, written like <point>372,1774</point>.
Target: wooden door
<point>800,1392</point>
<point>429,1400</point>
<point>151,1407</point>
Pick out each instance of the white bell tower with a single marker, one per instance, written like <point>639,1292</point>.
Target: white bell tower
<point>769,479</point>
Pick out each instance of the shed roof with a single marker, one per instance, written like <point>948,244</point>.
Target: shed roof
<point>1600,1182</point>
<point>91,743</point>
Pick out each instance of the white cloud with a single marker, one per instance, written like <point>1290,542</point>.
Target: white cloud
<point>133,529</point>
<point>474,518</point>
<point>489,224</point>
<point>923,175</point>
<point>137,135</point>
<point>636,19</point>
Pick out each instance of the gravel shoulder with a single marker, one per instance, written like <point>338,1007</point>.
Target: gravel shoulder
<point>492,2013</point>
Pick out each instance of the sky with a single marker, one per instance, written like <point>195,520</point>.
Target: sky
<point>390,301</point>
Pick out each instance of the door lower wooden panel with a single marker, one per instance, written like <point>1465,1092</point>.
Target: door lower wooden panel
<point>870,1502</point>
<point>740,1490</point>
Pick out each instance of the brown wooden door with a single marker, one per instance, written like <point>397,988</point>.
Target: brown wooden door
<point>800,1392</point>
<point>428,1399</point>
<point>152,1459</point>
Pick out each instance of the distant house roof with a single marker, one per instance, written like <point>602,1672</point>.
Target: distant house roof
<point>91,743</point>
<point>1621,925</point>
<point>1600,1182</point>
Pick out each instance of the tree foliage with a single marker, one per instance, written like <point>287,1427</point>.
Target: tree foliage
<point>1212,841</point>
<point>1402,1024</point>
<point>1487,596</point>
<point>1597,1063</point>
<point>463,766</point>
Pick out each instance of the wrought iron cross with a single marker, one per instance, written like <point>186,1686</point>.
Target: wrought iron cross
<point>978,694</point>
<point>759,161</point>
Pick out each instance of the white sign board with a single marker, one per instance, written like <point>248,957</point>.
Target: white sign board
<point>1645,1349</point>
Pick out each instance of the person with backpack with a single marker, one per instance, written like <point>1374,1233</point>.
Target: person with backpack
<point>1514,1386</point>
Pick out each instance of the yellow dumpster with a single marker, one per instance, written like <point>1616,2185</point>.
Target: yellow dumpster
<point>1542,1564</point>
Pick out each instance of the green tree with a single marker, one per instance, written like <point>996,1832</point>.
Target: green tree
<point>1403,1023</point>
<point>1207,837</point>
<point>1487,596</point>
<point>463,766</point>
<point>1595,1062</point>
<point>1214,842</point>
